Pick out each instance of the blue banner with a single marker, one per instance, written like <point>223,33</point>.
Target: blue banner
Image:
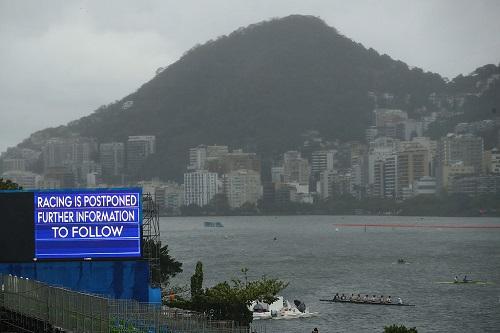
<point>88,224</point>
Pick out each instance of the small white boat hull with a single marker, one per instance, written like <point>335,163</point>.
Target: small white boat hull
<point>281,309</point>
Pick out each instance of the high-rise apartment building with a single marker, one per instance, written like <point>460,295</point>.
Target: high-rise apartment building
<point>385,180</point>
<point>242,186</point>
<point>55,153</point>
<point>449,172</point>
<point>236,160</point>
<point>295,168</point>
<point>475,185</point>
<point>112,158</point>
<point>379,150</point>
<point>467,149</point>
<point>14,164</point>
<point>390,123</point>
<point>321,160</point>
<point>325,183</point>
<point>58,152</point>
<point>139,148</point>
<point>197,158</point>
<point>199,187</point>
<point>424,186</point>
<point>214,152</point>
<point>413,164</point>
<point>431,147</point>
<point>494,162</point>
<point>61,175</point>
<point>278,174</point>
<point>382,168</point>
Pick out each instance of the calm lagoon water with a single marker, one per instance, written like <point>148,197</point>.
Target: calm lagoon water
<point>320,258</point>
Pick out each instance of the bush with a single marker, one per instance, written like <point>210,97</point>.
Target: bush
<point>399,329</point>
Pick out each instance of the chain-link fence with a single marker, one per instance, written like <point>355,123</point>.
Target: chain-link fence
<point>79,312</point>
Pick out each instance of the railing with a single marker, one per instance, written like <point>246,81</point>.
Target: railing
<point>153,318</point>
<point>58,307</point>
<point>79,312</point>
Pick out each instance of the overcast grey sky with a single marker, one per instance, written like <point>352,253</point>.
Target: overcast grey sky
<point>61,60</point>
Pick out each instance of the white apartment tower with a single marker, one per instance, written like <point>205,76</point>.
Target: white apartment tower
<point>199,187</point>
<point>197,158</point>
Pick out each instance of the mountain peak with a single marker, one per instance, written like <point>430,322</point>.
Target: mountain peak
<point>299,20</point>
<point>259,88</point>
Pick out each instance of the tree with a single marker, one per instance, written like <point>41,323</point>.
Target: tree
<point>197,281</point>
<point>7,184</point>
<point>169,267</point>
<point>191,210</point>
<point>219,204</point>
<point>231,300</point>
<point>399,329</point>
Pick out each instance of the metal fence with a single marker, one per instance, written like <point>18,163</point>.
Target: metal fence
<point>146,317</point>
<point>79,312</point>
<point>57,307</point>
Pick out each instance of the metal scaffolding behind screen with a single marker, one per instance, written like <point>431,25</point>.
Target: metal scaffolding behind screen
<point>151,237</point>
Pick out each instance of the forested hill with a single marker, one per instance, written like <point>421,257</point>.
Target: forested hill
<point>259,88</point>
<point>471,99</point>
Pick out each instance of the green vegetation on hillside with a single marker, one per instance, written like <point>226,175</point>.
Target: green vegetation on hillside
<point>260,88</point>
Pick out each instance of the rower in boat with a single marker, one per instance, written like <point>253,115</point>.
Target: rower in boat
<point>456,279</point>
<point>351,298</point>
<point>400,301</point>
<point>382,299</point>
<point>388,300</point>
<point>373,299</point>
<point>336,297</point>
<point>365,298</point>
<point>465,279</point>
<point>342,298</point>
<point>357,298</point>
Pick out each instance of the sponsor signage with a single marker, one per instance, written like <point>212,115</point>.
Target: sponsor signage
<point>88,224</point>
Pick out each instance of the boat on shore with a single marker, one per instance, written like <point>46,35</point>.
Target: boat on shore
<point>280,309</point>
<point>367,302</point>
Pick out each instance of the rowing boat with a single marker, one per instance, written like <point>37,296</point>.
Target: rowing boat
<point>464,282</point>
<point>361,302</point>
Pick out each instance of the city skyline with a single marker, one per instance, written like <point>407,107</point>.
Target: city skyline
<point>78,47</point>
<point>394,162</point>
